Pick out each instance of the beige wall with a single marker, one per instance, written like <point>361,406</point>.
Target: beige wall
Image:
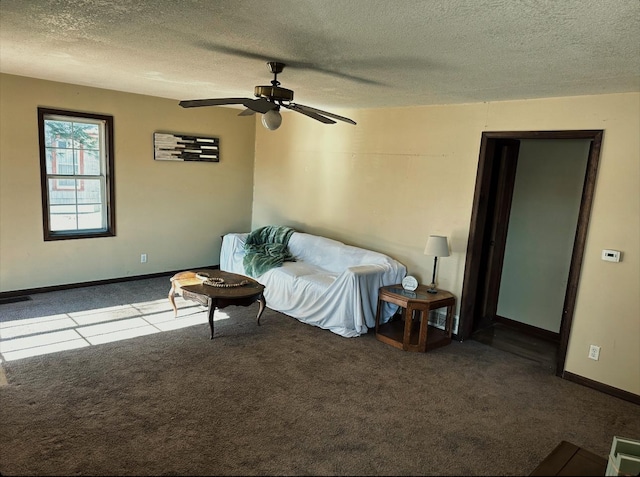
<point>402,174</point>
<point>174,212</point>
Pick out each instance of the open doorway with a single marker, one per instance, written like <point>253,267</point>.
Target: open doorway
<point>492,252</point>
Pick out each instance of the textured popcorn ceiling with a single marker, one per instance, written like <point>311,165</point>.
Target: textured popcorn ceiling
<point>341,53</point>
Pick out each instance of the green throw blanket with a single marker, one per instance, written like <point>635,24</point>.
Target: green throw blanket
<point>266,248</point>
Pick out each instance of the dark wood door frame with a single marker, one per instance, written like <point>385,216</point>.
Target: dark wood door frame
<point>474,283</point>
<point>502,184</point>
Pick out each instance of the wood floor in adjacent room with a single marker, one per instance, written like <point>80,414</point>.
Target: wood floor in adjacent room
<point>513,341</point>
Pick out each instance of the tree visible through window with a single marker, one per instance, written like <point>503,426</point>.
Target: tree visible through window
<point>76,162</point>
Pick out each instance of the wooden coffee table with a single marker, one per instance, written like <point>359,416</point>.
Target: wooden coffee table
<point>216,297</point>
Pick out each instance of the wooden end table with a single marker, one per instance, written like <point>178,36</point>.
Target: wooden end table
<point>215,297</point>
<point>414,333</point>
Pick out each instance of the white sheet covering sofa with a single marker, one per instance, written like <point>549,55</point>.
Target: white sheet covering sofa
<point>330,285</point>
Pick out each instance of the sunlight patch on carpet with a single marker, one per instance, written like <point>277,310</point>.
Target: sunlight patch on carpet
<point>43,324</point>
<point>45,343</point>
<point>55,333</point>
<point>101,315</point>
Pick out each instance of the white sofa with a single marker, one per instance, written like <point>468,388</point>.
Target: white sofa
<point>330,285</point>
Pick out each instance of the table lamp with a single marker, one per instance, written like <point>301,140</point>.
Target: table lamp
<point>437,246</point>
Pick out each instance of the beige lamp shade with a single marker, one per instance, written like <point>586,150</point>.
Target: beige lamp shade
<point>437,245</point>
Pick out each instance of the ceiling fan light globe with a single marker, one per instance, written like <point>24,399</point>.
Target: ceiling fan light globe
<point>272,120</point>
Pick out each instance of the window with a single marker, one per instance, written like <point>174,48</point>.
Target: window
<point>76,169</point>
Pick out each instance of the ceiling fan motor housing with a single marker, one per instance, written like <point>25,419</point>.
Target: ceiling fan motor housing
<point>273,92</point>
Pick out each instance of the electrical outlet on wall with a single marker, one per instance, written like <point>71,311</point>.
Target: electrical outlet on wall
<point>594,352</point>
<point>143,258</point>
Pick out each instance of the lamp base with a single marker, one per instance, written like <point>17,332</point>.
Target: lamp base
<point>432,288</point>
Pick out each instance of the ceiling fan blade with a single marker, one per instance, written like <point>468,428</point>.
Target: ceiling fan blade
<point>195,103</point>
<point>247,112</point>
<point>311,114</point>
<point>302,107</point>
<point>261,105</point>
<point>289,61</point>
<point>229,50</point>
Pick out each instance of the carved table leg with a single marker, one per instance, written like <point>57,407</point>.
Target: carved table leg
<point>263,303</point>
<point>212,311</point>
<point>172,299</point>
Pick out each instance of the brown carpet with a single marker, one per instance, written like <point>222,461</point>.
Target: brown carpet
<point>283,398</point>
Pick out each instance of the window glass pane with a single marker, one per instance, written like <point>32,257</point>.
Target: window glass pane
<point>86,136</point>
<point>55,130</point>
<point>59,161</point>
<point>89,191</point>
<point>90,217</point>
<point>63,217</point>
<point>76,208</point>
<point>77,161</point>
<point>62,191</point>
<point>89,162</point>
<point>50,159</point>
<point>63,162</point>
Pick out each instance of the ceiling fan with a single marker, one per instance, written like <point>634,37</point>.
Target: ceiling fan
<point>270,99</point>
